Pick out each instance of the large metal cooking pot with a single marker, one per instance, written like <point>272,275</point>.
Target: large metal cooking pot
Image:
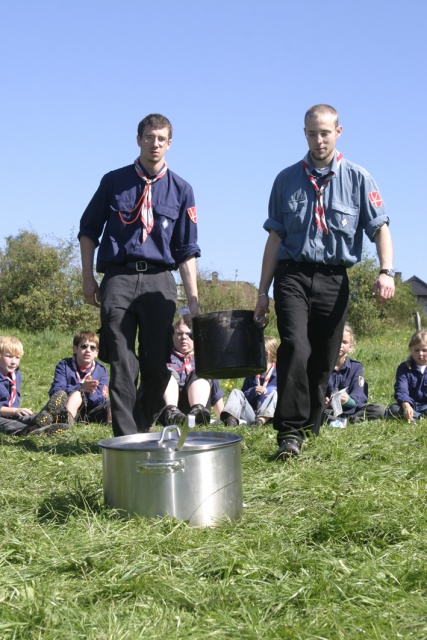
<point>144,475</point>
<point>228,344</point>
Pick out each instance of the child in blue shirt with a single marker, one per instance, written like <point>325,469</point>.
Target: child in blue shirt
<point>349,376</point>
<point>410,389</point>
<point>85,382</point>
<point>14,419</point>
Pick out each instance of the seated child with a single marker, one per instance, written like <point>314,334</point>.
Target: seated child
<point>16,420</point>
<point>256,402</point>
<point>186,393</point>
<point>84,380</point>
<point>349,376</point>
<point>410,389</point>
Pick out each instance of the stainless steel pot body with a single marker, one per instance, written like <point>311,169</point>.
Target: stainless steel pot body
<point>201,484</point>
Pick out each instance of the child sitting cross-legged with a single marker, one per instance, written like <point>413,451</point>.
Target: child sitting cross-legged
<point>14,419</point>
<point>348,378</point>
<point>256,402</point>
<point>410,389</point>
<point>85,382</point>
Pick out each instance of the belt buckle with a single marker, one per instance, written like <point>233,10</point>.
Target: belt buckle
<point>141,266</point>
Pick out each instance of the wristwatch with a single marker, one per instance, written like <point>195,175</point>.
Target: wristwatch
<point>388,272</point>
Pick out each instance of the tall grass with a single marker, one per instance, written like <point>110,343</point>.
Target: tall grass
<point>332,545</point>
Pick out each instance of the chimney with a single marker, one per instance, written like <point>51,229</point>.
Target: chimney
<point>215,277</point>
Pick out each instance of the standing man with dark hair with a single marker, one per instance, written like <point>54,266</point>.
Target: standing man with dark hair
<point>318,211</point>
<point>146,218</point>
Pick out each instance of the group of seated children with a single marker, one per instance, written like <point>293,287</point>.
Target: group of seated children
<point>347,392</point>
<point>79,390</point>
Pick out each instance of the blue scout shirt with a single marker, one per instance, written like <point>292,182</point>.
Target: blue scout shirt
<point>352,205</point>
<point>65,379</point>
<point>173,238</point>
<point>411,384</point>
<point>5,388</point>
<point>350,377</point>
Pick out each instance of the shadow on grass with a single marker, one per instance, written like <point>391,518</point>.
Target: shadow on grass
<point>51,444</point>
<point>60,507</point>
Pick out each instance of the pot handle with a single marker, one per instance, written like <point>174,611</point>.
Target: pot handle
<point>166,433</point>
<point>160,466</point>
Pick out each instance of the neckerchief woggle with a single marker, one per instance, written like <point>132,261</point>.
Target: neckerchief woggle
<point>319,207</point>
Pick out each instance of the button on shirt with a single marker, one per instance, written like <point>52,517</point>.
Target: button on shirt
<point>110,213</point>
<point>349,212</point>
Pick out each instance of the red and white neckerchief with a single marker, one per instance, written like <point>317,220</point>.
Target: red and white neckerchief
<point>186,361</point>
<point>12,398</point>
<point>319,208</point>
<point>267,377</point>
<point>87,372</point>
<point>146,212</point>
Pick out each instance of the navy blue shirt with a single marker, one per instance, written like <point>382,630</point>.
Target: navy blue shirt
<point>110,214</point>
<point>350,377</point>
<point>65,379</point>
<point>411,384</point>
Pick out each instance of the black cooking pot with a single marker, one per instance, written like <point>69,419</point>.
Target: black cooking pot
<point>228,344</point>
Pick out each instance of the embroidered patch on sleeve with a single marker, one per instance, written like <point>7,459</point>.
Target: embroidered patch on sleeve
<point>361,381</point>
<point>375,198</point>
<point>105,391</point>
<point>192,213</point>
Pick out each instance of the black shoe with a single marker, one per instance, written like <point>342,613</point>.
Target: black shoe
<point>290,448</point>
<point>170,415</point>
<point>56,405</point>
<point>228,419</point>
<point>50,429</point>
<point>202,415</point>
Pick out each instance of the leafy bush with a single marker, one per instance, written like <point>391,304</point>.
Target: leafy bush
<point>40,285</point>
<point>366,316</point>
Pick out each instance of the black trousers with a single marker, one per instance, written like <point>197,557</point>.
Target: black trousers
<point>311,302</point>
<point>137,306</point>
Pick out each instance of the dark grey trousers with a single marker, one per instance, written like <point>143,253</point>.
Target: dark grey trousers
<point>137,311</point>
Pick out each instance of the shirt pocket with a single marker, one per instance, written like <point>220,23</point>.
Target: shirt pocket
<point>343,218</point>
<point>165,217</point>
<point>294,212</point>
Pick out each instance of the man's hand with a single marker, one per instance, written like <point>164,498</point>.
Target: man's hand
<point>91,291</point>
<point>383,288</point>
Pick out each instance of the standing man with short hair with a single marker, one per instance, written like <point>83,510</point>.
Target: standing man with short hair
<point>146,218</point>
<point>318,211</point>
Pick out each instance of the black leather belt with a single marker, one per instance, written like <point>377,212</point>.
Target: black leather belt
<point>140,266</point>
<point>313,267</point>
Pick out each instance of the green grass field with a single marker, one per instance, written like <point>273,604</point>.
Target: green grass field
<point>332,545</point>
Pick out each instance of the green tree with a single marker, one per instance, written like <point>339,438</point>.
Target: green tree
<point>367,316</point>
<point>40,285</point>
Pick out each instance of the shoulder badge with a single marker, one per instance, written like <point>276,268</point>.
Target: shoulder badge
<point>192,214</point>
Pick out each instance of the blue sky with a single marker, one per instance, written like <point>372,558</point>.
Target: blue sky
<point>235,78</point>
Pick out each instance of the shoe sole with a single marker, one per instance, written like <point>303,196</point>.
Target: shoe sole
<point>56,404</point>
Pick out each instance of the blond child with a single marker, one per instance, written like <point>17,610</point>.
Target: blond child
<point>14,419</point>
<point>410,388</point>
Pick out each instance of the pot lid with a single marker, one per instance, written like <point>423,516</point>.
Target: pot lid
<point>195,441</point>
